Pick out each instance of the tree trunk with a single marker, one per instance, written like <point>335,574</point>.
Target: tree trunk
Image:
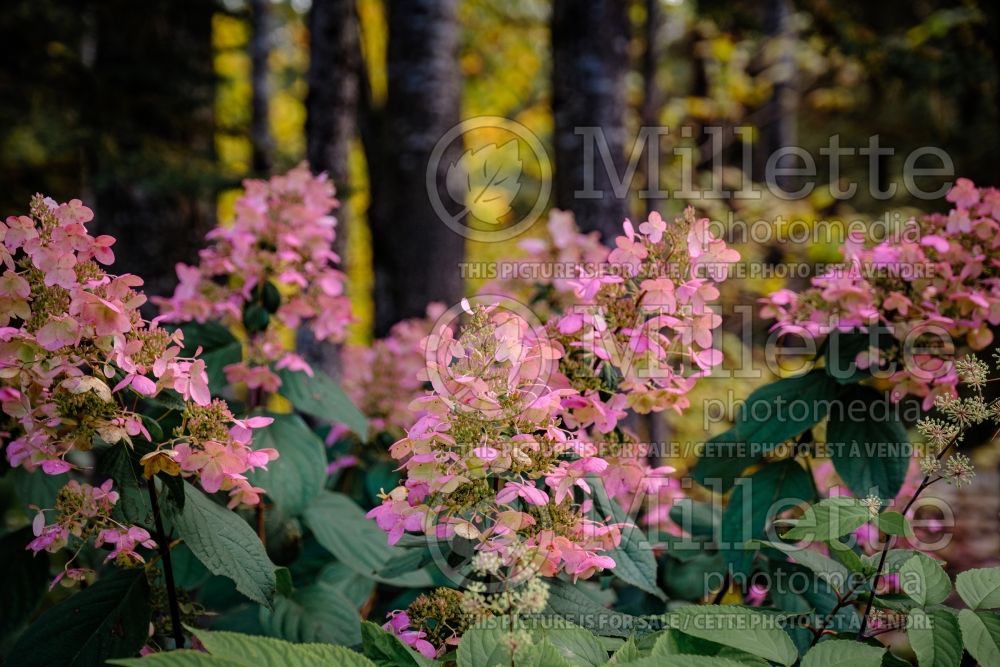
<point>260,122</point>
<point>779,130</point>
<point>590,61</point>
<point>151,161</point>
<point>416,255</point>
<point>331,105</point>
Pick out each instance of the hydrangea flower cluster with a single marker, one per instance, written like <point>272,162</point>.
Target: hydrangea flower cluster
<point>68,331</point>
<point>545,276</point>
<point>383,380</point>
<point>273,266</point>
<point>642,334</point>
<point>524,419</point>
<point>82,513</point>
<point>945,276</point>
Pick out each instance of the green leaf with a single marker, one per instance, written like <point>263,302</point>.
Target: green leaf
<point>483,644</point>
<point>722,460</point>
<point>542,654</point>
<point>107,620</point>
<point>980,588</point>
<point>316,613</point>
<point>570,603</point>
<point>870,454</point>
<point>121,464</point>
<point>894,523</point>
<point>626,653</point>
<point>283,581</point>
<point>226,545</point>
<point>686,661</point>
<point>737,627</point>
<point>981,635</point>
<point>341,528</point>
<point>826,568</point>
<point>298,474</point>
<point>387,651</point>
<point>634,560</point>
<point>254,651</point>
<point>756,500</point>
<point>322,398</point>
<point>782,410</point>
<point>695,518</point>
<point>180,658</point>
<point>25,577</point>
<point>924,580</point>
<point>37,488</point>
<point>935,637</point>
<point>406,560</point>
<point>829,519</point>
<point>843,653</point>
<point>220,348</point>
<point>577,645</point>
<point>355,588</point>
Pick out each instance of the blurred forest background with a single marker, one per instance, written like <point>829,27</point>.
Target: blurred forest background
<point>153,112</point>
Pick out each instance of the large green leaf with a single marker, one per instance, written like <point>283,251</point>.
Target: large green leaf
<point>230,649</point>
<point>832,572</point>
<point>483,644</point>
<point>924,580</point>
<point>577,645</point>
<point>225,544</point>
<point>220,348</point>
<point>25,575</point>
<point>107,620</point>
<point>783,409</point>
<point>829,519</point>
<point>323,398</point>
<point>298,474</point>
<point>37,488</point>
<point>979,588</point>
<point>756,500</point>
<point>722,460</point>
<point>634,560</point>
<point>981,635</point>
<point>843,653</point>
<point>740,628</point>
<point>842,349</point>
<point>542,654</point>
<point>870,454</point>
<point>573,605</point>
<point>316,613</point>
<point>935,637</point>
<point>341,527</point>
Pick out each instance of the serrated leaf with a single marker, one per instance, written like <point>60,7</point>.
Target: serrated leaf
<point>924,580</point>
<point>829,519</point>
<point>226,545</point>
<point>979,588</point>
<point>843,653</point>
<point>321,397</point>
<point>869,454</point>
<point>981,635</point>
<point>894,523</point>
<point>316,613</point>
<point>634,560</point>
<point>254,651</point>
<point>179,658</point>
<point>298,474</point>
<point>826,568</point>
<point>722,460</point>
<point>341,528</point>
<point>935,637</point>
<point>107,620</point>
<point>626,653</point>
<point>573,605</point>
<point>784,409</point>
<point>486,180</point>
<point>763,495</point>
<point>740,628</point>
